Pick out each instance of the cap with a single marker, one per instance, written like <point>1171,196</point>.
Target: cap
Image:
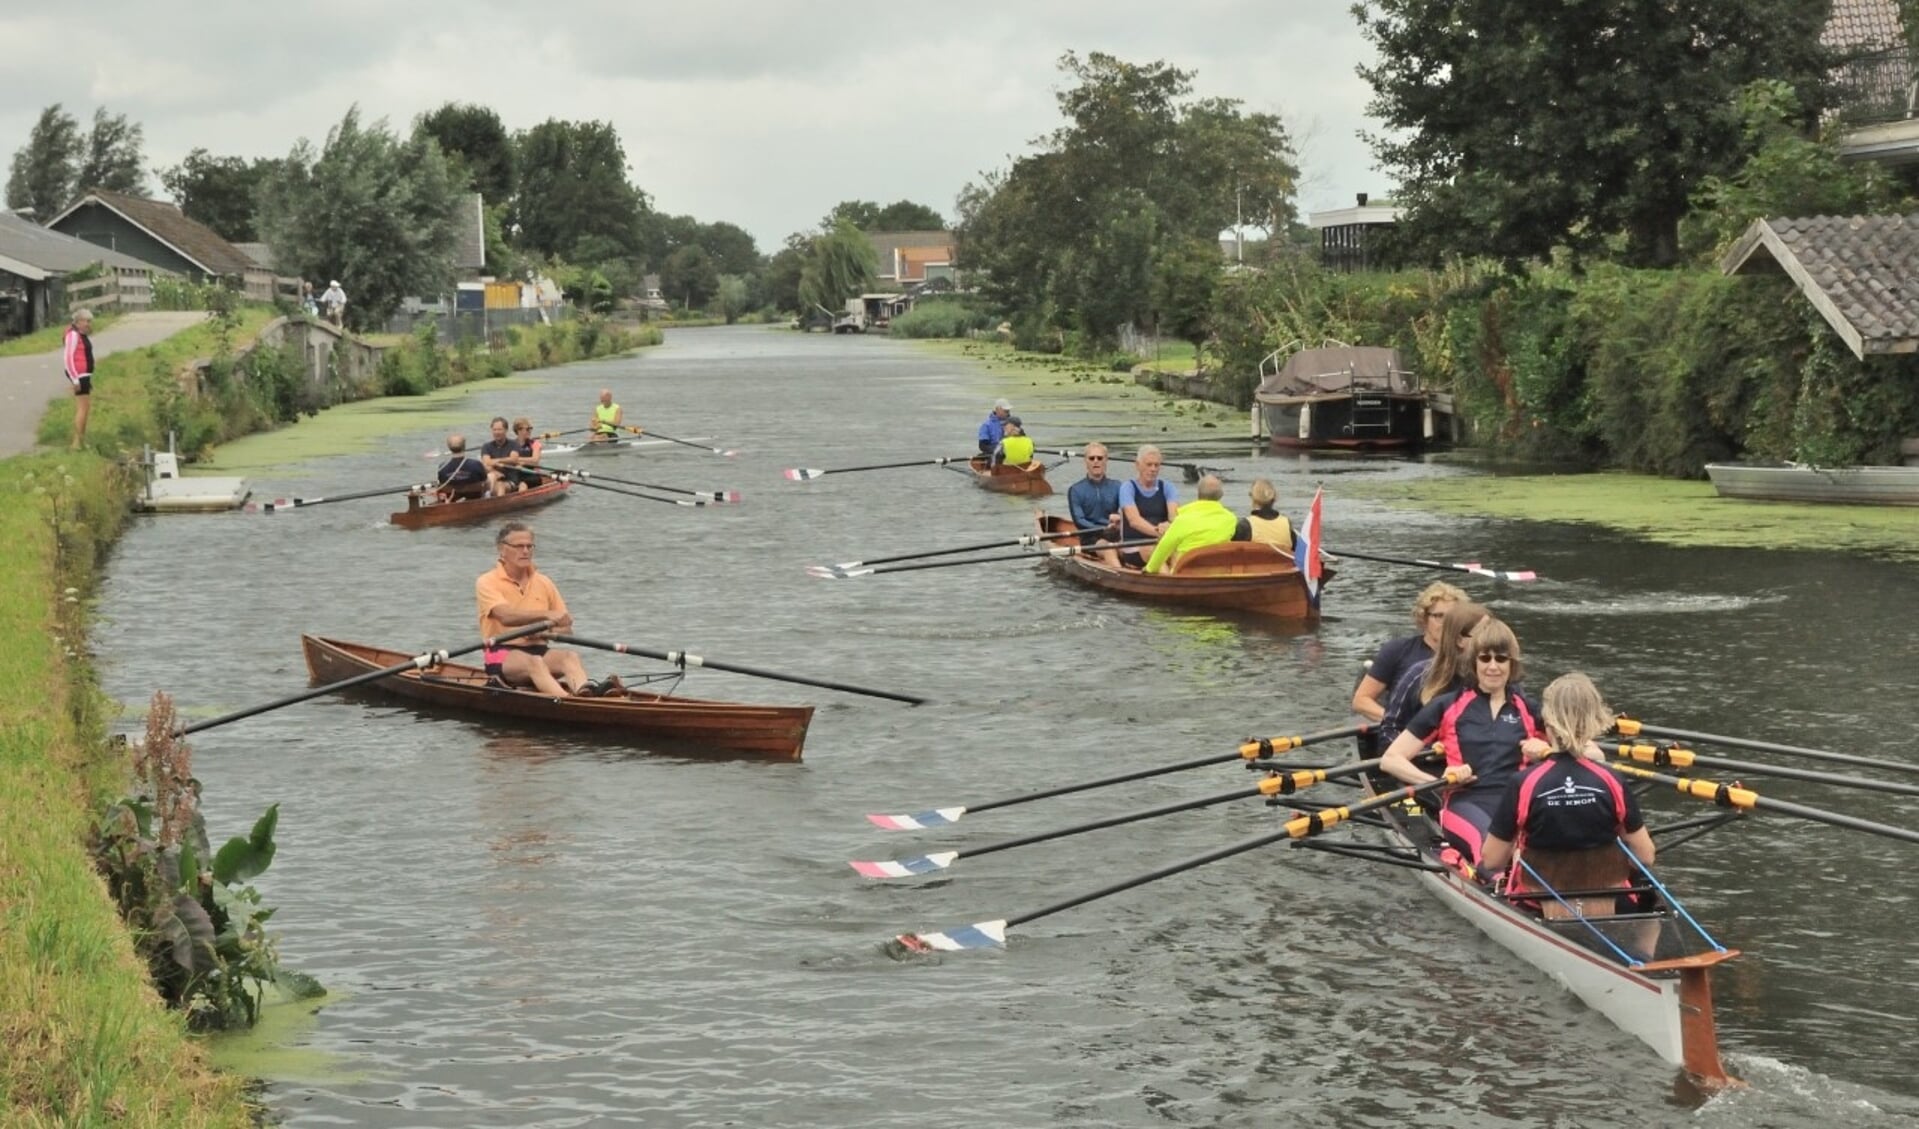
<point>1014,420</point>
<point>1002,405</point>
<point>334,282</point>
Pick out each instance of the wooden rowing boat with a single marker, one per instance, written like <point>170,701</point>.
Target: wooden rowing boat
<point>1649,973</point>
<point>423,510</point>
<point>1238,576</point>
<point>773,730</point>
<point>1029,480</point>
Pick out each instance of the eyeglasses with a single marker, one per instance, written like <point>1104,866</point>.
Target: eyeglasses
<point>526,548</point>
<point>1500,657</point>
<point>1438,615</point>
<point>1096,458</point>
<point>523,429</point>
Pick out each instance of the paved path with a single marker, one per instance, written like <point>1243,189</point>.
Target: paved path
<point>28,384</point>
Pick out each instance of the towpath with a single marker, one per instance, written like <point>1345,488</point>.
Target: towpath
<point>29,384</point>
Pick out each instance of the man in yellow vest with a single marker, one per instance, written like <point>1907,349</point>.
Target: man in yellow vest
<point>1197,524</point>
<point>1014,448</point>
<point>607,418</point>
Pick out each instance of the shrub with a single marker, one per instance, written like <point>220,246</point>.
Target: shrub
<point>941,318</point>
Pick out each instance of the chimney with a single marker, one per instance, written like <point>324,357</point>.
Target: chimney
<point>1362,199</point>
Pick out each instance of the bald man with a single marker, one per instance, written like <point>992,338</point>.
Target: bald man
<point>608,418</point>
<point>1199,523</point>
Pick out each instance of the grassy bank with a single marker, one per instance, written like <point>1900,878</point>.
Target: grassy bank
<point>48,339</point>
<point>87,1040</point>
<point>1065,400</point>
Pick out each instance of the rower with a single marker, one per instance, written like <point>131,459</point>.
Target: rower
<point>608,418</point>
<point>1265,525</point>
<point>494,453</point>
<point>1147,503</point>
<point>1205,522</point>
<point>524,462</point>
<point>1563,822</point>
<point>1487,731</point>
<point>514,594</point>
<point>1014,448</point>
<point>1444,671</point>
<point>994,429</point>
<point>461,476</point>
<point>1397,655</point>
<point>1094,503</point>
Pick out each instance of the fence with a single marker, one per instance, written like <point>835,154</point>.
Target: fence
<point>1874,88</point>
<point>122,288</point>
<point>477,327</point>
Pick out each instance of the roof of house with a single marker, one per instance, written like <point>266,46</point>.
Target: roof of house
<point>1860,272</point>
<point>886,242</point>
<point>189,238</point>
<point>469,250</point>
<point>1863,25</point>
<point>260,253</point>
<point>50,253</point>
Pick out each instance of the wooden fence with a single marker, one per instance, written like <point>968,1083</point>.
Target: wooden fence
<point>121,288</point>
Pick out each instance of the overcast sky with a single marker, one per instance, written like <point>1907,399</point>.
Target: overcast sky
<point>758,112</point>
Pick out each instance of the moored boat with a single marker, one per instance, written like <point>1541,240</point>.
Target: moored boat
<point>1347,396</point>
<point>1648,972</point>
<point>423,510</point>
<point>1029,480</point>
<point>1797,482</point>
<point>1239,576</point>
<point>728,726</point>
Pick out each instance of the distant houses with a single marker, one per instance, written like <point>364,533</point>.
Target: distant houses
<point>37,275</point>
<point>162,235</point>
<point>907,257</point>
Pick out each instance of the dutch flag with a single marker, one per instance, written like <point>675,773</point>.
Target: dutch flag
<point>1306,548</point>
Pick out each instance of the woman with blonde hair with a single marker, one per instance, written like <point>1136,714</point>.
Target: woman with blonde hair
<point>1426,678</point>
<point>1265,525</point>
<point>1397,655</point>
<point>1487,729</point>
<point>1564,820</point>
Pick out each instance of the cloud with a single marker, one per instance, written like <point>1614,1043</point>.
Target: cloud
<point>759,112</point>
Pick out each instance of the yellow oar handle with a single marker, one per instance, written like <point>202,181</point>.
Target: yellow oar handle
<point>1669,755</point>
<point>1268,746</point>
<point>1286,783</point>
<point>1725,795</point>
<point>1626,726</point>
<point>634,430</point>
<point>1315,822</point>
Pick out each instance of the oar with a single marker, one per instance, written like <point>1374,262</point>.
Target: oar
<point>1262,749</point>
<point>808,474</point>
<point>1745,799</point>
<point>1627,727</point>
<point>418,662</point>
<point>720,496</point>
<point>1027,539</point>
<point>298,503</point>
<point>721,451</point>
<point>569,476</point>
<point>1672,756</point>
<point>683,660</point>
<point>1475,568</point>
<point>1061,551</point>
<point>1282,784</point>
<point>992,934</point>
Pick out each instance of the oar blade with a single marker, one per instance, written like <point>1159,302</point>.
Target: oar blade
<point>979,935</point>
<point>919,820</point>
<point>905,868</point>
<point>731,496</point>
<point>802,474</point>
<point>828,572</point>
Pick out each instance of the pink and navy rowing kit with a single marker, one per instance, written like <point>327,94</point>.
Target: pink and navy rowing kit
<point>1464,723</point>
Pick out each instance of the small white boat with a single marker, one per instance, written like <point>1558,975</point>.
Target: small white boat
<point>613,446</point>
<point>166,492</point>
<point>1798,482</point>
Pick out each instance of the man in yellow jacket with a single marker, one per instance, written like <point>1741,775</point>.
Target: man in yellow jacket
<point>1200,523</point>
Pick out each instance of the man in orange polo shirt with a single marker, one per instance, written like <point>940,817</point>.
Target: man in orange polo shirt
<point>514,594</point>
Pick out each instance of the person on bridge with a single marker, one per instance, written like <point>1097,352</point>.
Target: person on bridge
<point>461,476</point>
<point>994,429</point>
<point>608,418</point>
<point>1198,524</point>
<point>334,303</point>
<point>1014,448</point>
<point>76,356</point>
<point>514,594</point>
<point>1094,503</point>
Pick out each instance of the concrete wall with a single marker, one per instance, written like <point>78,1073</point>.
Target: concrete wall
<point>330,354</point>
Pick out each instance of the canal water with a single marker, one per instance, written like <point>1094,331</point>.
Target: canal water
<point>533,928</point>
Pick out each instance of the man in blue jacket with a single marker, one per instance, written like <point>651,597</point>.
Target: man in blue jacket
<point>994,429</point>
<point>1094,504</point>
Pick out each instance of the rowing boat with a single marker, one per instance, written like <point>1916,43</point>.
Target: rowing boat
<point>1239,576</point>
<point>772,730</point>
<point>425,509</point>
<point>1029,480</point>
<point>612,446</point>
<point>1648,972</point>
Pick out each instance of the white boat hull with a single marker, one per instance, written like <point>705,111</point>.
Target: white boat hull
<point>1790,482</point>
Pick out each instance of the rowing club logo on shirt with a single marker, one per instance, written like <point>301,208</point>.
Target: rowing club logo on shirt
<point>1571,794</point>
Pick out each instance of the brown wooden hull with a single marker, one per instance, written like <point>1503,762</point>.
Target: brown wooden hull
<point>1029,480</point>
<point>772,730</point>
<point>422,512</point>
<point>1242,577</point>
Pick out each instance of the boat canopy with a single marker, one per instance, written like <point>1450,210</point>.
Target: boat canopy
<point>1338,369</point>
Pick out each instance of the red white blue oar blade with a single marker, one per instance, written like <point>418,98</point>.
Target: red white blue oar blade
<point>905,868</point>
<point>979,935</point>
<point>802,474</point>
<point>935,817</point>
<point>732,496</point>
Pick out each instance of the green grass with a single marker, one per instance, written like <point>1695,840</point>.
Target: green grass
<point>1172,356</point>
<point>48,339</point>
<point>1073,401</point>
<point>87,1041</point>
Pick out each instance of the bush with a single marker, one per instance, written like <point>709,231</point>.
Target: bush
<point>940,318</point>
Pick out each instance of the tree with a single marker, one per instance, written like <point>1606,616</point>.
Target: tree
<point>839,264</point>
<point>905,215</point>
<point>690,277</point>
<point>218,191</point>
<point>1185,280</point>
<point>373,211</point>
<point>573,186</point>
<point>781,280</point>
<point>731,298</point>
<point>1518,126</point>
<point>732,249</point>
<point>476,135</point>
<point>859,213</point>
<point>113,158</point>
<point>43,170</point>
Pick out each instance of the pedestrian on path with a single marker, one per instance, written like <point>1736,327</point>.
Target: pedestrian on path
<point>76,354</point>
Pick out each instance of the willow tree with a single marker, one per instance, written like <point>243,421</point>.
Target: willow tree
<point>840,264</point>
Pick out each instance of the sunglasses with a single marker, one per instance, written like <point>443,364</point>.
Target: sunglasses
<point>1499,657</point>
<point>1096,458</point>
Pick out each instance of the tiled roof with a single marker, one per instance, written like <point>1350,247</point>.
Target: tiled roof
<point>167,223</point>
<point>55,252</point>
<point>886,242</point>
<point>1860,272</point>
<point>260,253</point>
<point>1863,25</point>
